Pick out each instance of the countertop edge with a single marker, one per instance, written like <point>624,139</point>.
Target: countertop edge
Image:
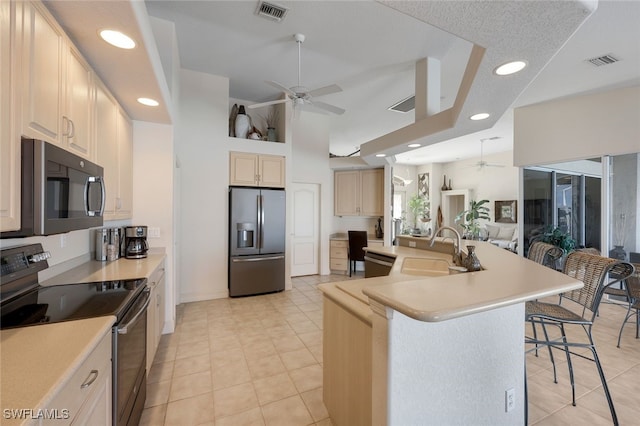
<point>40,397</point>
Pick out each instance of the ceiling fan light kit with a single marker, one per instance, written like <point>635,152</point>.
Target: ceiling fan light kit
<point>300,95</point>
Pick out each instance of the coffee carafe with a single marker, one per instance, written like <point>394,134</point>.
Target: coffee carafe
<point>136,246</point>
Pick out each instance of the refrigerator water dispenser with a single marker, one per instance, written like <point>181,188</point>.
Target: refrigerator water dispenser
<point>245,235</point>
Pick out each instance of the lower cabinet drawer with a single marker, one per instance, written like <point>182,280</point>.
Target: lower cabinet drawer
<point>339,253</point>
<point>339,264</point>
<point>84,382</point>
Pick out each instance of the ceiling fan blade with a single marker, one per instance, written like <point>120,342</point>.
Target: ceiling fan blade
<point>281,87</point>
<point>328,107</point>
<point>279,101</point>
<point>326,90</point>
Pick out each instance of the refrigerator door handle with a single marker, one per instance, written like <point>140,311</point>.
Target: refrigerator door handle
<point>261,221</point>
<point>256,259</point>
<point>259,230</point>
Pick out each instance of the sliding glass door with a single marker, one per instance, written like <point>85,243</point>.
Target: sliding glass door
<point>570,201</point>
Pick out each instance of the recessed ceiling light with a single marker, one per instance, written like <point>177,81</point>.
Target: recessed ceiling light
<point>414,145</point>
<point>117,39</point>
<point>510,68</point>
<point>148,102</point>
<point>381,155</point>
<point>480,116</point>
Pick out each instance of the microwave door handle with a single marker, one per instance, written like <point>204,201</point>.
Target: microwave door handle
<point>94,179</point>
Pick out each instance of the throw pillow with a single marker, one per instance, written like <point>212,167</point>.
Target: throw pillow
<point>505,233</point>
<point>493,231</point>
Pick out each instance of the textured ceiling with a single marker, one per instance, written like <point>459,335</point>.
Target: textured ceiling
<point>370,49</point>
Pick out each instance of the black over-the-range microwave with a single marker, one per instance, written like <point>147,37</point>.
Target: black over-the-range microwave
<point>61,192</point>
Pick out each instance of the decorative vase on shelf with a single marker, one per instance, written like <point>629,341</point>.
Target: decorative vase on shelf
<point>449,188</point>
<point>271,134</point>
<point>618,252</point>
<point>243,123</point>
<point>444,184</point>
<point>471,262</point>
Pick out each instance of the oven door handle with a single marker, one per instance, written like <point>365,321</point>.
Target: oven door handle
<point>125,328</point>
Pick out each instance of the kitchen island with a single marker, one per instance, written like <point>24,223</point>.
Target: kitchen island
<point>438,349</point>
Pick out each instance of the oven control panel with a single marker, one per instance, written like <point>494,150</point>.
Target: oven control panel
<point>15,262</point>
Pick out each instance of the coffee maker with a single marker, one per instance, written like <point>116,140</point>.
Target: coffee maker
<point>136,246</point>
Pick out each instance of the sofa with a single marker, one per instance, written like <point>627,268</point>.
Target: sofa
<point>503,235</point>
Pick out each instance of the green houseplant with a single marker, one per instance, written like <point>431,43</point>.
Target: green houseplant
<point>559,238</point>
<point>418,206</point>
<point>469,219</point>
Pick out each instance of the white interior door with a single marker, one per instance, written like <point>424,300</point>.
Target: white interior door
<point>306,226</point>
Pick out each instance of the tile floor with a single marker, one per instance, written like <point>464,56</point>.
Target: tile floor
<point>258,361</point>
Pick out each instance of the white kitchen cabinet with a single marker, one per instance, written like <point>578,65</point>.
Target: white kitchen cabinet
<point>114,146</point>
<point>107,147</point>
<point>57,84</point>
<point>9,136</point>
<point>79,101</point>
<point>247,169</point>
<point>86,397</point>
<point>155,312</point>
<point>124,199</point>
<point>42,74</point>
<point>359,192</point>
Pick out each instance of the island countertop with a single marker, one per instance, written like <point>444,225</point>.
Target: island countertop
<point>507,279</point>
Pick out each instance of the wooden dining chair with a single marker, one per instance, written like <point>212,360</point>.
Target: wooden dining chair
<point>357,241</point>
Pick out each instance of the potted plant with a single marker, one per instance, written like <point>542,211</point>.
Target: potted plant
<point>418,206</point>
<point>271,119</point>
<point>559,238</point>
<point>469,218</point>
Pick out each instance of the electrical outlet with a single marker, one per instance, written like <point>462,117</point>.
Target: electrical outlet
<point>154,232</point>
<point>509,400</point>
<point>412,243</point>
<point>63,240</point>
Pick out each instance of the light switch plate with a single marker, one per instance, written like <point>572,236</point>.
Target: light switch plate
<point>154,232</point>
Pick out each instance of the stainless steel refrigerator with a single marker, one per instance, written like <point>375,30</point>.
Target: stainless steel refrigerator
<point>256,240</point>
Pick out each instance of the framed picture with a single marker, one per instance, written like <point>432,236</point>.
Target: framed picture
<point>506,211</point>
<point>423,185</point>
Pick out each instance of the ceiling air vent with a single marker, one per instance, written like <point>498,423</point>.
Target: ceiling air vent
<point>404,105</point>
<point>603,60</point>
<point>271,11</point>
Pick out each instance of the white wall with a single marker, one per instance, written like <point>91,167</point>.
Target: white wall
<point>200,144</point>
<point>578,127</point>
<point>310,164</point>
<point>491,183</point>
<point>153,189</point>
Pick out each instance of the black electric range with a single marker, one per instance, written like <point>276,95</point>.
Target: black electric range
<point>25,302</point>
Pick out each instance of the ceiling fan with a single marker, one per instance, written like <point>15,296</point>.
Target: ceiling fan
<point>482,164</point>
<point>302,96</point>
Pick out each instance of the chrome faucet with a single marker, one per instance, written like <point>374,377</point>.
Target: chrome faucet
<point>457,253</point>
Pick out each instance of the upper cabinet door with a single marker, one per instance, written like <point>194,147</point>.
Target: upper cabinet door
<point>271,171</point>
<point>9,137</point>
<point>124,204</point>
<point>372,195</point>
<point>42,49</point>
<point>243,169</point>
<point>347,193</point>
<point>107,147</point>
<point>78,105</point>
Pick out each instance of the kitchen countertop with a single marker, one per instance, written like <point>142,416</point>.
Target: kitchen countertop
<point>507,279</point>
<point>37,361</point>
<point>121,269</point>
<point>344,236</point>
